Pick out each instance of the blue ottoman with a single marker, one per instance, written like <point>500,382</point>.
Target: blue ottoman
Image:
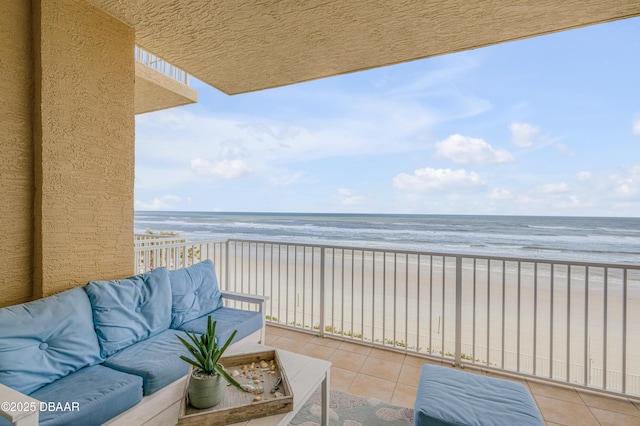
<point>451,397</point>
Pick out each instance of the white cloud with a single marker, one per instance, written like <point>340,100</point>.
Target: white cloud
<point>357,123</point>
<point>636,127</point>
<point>285,139</point>
<point>500,194</point>
<point>615,187</point>
<point>164,202</point>
<point>434,179</point>
<point>347,197</point>
<point>467,150</point>
<point>233,150</point>
<point>627,185</point>
<point>584,193</point>
<point>227,147</point>
<point>555,188</point>
<point>224,169</point>
<point>583,176</point>
<point>573,201</point>
<point>626,189</point>
<point>524,134</point>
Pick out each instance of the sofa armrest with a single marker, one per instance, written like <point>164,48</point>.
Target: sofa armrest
<point>18,408</point>
<point>249,298</point>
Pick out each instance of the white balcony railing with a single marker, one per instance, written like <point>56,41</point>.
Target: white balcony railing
<point>161,65</point>
<point>569,322</point>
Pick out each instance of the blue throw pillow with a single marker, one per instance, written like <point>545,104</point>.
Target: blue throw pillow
<point>194,292</point>
<point>129,310</point>
<point>47,339</point>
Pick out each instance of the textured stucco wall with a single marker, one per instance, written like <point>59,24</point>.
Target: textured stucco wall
<point>156,91</point>
<point>84,145</point>
<point>16,153</point>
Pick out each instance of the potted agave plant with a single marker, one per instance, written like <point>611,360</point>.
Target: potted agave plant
<point>208,379</point>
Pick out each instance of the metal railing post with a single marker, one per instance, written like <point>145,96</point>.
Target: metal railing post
<point>458,351</point>
<point>322,283</point>
<point>226,266</point>
<point>624,331</point>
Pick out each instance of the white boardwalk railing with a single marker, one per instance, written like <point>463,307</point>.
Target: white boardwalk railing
<point>561,321</point>
<point>175,252</point>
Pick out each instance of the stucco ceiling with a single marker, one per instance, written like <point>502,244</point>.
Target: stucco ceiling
<point>246,45</point>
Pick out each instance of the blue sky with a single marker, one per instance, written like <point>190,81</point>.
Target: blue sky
<point>543,126</point>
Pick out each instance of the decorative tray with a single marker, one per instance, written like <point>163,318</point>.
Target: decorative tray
<point>254,370</point>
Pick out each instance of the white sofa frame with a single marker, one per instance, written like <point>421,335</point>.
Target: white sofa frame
<point>161,408</point>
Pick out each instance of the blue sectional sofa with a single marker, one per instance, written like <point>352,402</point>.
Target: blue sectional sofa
<point>108,352</point>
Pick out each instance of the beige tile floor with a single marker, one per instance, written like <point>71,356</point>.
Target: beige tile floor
<point>393,377</point>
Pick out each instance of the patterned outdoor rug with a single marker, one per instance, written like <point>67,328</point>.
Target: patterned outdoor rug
<point>351,410</point>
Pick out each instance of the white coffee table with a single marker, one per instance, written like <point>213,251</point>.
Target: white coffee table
<point>305,374</point>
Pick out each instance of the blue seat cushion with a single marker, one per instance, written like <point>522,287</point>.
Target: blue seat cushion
<point>156,360</point>
<point>129,310</point>
<point>44,340</point>
<point>227,320</point>
<point>100,393</point>
<point>447,396</point>
<point>194,292</point>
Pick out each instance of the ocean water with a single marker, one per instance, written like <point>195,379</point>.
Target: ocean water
<point>584,239</point>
